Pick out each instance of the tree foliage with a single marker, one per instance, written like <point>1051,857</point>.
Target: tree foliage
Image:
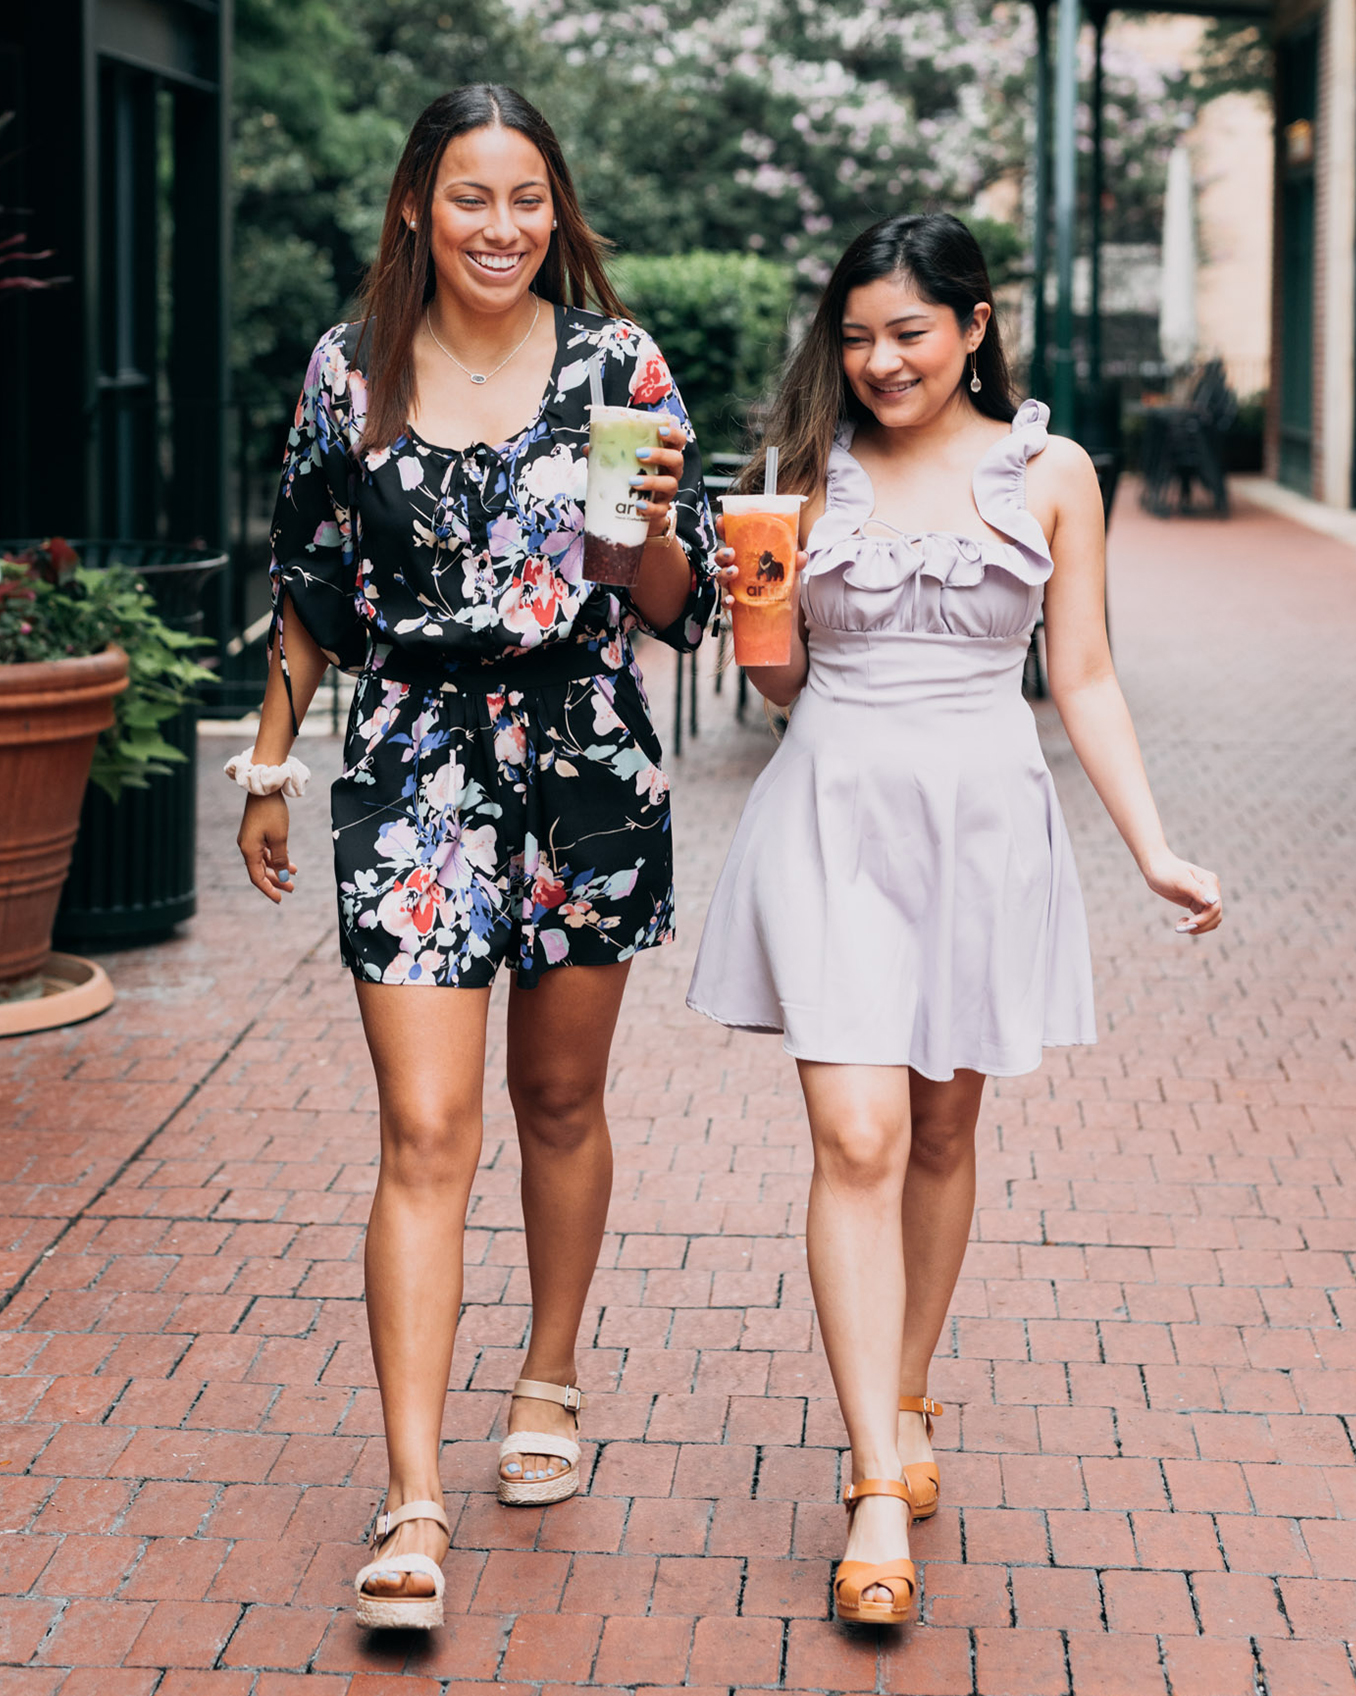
<point>781,126</point>
<point>721,320</point>
<point>302,147</point>
<point>770,128</point>
<point>1233,58</point>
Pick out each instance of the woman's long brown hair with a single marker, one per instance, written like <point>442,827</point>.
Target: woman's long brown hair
<point>941,258</point>
<point>401,280</point>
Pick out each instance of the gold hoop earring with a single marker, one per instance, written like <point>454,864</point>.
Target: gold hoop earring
<point>975,384</point>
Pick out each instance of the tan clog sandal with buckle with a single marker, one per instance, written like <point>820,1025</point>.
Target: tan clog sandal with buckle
<point>523,1492</point>
<point>854,1578</point>
<point>923,1478</point>
<point>420,1613</point>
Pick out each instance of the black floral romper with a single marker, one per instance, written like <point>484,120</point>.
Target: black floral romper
<point>502,797</point>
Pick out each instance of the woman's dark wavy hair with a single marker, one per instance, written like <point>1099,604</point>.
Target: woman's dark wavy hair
<point>937,254</point>
<point>401,279</point>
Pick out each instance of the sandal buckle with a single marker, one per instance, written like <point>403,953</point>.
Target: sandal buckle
<point>574,1398</point>
<point>382,1529</point>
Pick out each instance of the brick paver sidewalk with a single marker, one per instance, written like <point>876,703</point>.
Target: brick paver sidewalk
<point>1148,1466</point>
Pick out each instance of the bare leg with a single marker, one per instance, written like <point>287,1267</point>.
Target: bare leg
<point>428,1048</point>
<point>559,1038</point>
<point>859,1123</point>
<point>939,1203</point>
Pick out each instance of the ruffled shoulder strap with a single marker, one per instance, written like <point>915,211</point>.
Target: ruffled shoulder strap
<point>1000,489</point>
<point>848,503</point>
<point>848,488</point>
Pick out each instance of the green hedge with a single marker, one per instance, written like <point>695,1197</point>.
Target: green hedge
<point>721,320</point>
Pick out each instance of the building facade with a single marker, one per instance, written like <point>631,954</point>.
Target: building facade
<point>114,161</point>
<point>1311,424</point>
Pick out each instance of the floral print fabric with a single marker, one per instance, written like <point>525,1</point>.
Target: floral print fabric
<point>502,797</point>
<point>469,555</point>
<point>525,826</point>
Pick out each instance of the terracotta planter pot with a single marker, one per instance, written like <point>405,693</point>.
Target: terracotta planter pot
<point>50,718</point>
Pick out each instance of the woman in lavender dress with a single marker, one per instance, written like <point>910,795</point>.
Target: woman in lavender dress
<point>900,900</point>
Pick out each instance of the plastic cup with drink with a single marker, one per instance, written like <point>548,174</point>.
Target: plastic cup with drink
<point>615,531</point>
<point>764,532</point>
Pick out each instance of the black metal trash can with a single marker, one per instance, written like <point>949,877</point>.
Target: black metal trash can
<point>133,875</point>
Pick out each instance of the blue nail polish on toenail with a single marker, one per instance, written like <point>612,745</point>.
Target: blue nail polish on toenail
<point>512,1466</point>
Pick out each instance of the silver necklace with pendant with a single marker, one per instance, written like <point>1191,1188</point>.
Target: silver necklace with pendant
<point>479,377</point>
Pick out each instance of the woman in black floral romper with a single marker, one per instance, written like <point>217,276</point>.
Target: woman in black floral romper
<point>482,820</point>
<point>502,799</point>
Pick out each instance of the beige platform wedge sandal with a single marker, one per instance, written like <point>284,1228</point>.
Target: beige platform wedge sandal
<point>402,1613</point>
<point>534,1492</point>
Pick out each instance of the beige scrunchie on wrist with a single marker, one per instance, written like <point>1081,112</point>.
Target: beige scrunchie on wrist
<point>291,777</point>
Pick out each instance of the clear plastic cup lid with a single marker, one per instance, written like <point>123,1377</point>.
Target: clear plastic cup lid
<point>783,505</point>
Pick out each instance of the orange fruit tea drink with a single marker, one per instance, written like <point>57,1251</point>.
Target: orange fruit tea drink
<point>764,531</point>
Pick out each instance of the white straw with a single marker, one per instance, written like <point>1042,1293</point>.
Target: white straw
<point>596,379</point>
<point>770,471</point>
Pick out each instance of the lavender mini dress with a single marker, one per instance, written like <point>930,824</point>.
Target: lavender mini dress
<point>901,889</point>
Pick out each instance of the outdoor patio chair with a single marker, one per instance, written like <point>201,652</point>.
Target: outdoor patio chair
<point>1185,444</point>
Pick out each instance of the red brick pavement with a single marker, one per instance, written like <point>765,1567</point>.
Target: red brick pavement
<point>1148,1471</point>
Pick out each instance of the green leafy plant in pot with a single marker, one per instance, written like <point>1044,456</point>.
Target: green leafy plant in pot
<point>88,672</point>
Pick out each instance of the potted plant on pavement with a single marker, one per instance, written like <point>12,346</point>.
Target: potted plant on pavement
<point>88,672</point>
<point>133,876</point>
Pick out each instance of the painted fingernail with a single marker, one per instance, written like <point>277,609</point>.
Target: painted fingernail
<point>664,430</point>
<point>284,876</point>
<point>644,453</point>
<point>1186,924</point>
<point>637,482</point>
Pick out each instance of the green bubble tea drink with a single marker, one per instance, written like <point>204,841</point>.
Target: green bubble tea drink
<point>615,532</point>
<point>764,531</point>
